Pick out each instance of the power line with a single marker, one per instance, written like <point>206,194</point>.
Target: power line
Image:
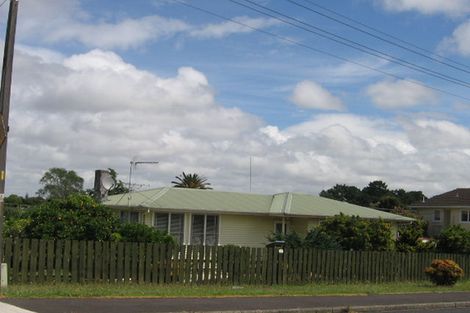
<point>297,43</point>
<point>436,55</point>
<point>352,44</point>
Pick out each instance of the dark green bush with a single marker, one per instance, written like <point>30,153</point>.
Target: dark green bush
<point>454,239</point>
<point>132,232</point>
<point>292,240</point>
<point>76,217</point>
<point>444,272</point>
<point>355,233</point>
<point>321,240</point>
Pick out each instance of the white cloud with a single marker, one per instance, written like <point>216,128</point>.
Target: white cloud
<point>57,21</point>
<point>448,7</point>
<point>94,110</point>
<point>308,94</point>
<point>399,94</point>
<point>459,40</point>
<point>225,29</point>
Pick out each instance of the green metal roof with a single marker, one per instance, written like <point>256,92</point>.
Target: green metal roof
<point>288,204</point>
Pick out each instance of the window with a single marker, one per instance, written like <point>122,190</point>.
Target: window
<point>129,217</point>
<point>171,223</point>
<point>437,216</point>
<point>465,216</point>
<point>278,228</point>
<point>205,230</point>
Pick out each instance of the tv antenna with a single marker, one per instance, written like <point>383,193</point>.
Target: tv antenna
<point>132,168</point>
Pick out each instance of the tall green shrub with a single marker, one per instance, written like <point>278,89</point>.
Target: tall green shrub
<point>355,233</point>
<point>454,239</point>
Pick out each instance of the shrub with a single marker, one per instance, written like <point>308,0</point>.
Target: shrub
<point>132,232</point>
<point>355,233</point>
<point>454,239</point>
<point>409,239</point>
<point>321,240</point>
<point>291,240</point>
<point>76,217</point>
<point>444,272</point>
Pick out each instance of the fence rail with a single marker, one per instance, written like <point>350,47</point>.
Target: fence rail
<point>33,260</point>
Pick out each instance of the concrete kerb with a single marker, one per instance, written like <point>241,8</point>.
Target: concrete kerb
<point>365,308</point>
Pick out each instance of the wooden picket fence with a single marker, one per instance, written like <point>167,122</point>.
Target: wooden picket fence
<point>37,261</point>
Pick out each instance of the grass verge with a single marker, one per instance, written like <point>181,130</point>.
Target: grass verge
<point>150,290</point>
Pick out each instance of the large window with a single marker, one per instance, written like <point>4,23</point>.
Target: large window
<point>129,217</point>
<point>171,223</point>
<point>465,216</point>
<point>205,230</point>
<point>437,216</point>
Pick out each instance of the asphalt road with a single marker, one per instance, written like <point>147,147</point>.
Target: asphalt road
<point>161,305</point>
<point>464,310</point>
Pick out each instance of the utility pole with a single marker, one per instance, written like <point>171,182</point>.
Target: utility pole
<point>5,90</point>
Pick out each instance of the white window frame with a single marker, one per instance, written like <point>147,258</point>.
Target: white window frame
<point>468,216</point>
<point>205,229</point>
<point>434,216</point>
<point>285,227</point>
<point>168,228</point>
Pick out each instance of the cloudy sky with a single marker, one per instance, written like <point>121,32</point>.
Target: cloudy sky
<point>100,83</point>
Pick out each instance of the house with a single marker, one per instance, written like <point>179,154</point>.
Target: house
<point>208,217</point>
<point>449,208</point>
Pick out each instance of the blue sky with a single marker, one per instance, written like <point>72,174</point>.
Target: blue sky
<point>99,83</point>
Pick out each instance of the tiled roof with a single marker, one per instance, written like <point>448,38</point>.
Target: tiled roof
<point>282,204</point>
<point>457,197</point>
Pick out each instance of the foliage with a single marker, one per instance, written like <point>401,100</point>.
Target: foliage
<point>191,181</point>
<point>375,195</point>
<point>410,235</point>
<point>317,239</point>
<point>76,217</point>
<point>133,232</point>
<point>454,239</point>
<point>291,240</point>
<point>388,202</point>
<point>118,186</point>
<point>354,233</point>
<point>60,183</point>
<point>15,227</point>
<point>444,272</point>
<point>346,193</point>
<point>376,190</point>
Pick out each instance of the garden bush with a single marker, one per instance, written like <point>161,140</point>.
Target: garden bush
<point>454,239</point>
<point>444,272</point>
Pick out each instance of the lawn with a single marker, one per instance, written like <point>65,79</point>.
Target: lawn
<point>149,290</point>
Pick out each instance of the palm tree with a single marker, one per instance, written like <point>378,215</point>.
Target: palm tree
<point>191,181</point>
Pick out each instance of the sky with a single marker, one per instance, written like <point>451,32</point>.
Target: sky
<point>204,86</point>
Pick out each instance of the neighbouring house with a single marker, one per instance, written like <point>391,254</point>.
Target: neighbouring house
<point>209,217</point>
<point>449,208</point>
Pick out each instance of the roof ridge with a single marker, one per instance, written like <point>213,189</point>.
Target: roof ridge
<point>288,203</point>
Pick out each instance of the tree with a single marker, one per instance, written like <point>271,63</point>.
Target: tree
<point>350,194</point>
<point>376,190</point>
<point>389,202</point>
<point>60,183</point>
<point>191,181</point>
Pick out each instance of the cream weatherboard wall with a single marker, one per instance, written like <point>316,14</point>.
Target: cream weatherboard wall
<point>250,230</point>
